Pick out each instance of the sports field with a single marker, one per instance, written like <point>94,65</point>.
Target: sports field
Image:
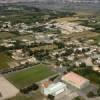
<point>29,76</point>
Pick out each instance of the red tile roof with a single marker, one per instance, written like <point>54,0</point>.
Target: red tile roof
<point>74,78</point>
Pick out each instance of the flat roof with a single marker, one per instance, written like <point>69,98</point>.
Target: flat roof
<point>53,86</point>
<point>56,86</point>
<point>75,78</point>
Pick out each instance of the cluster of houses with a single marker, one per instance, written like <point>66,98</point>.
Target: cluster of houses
<point>6,26</point>
<point>78,53</point>
<point>21,28</point>
<point>75,51</point>
<point>19,56</point>
<point>36,38</point>
<point>68,27</point>
<point>65,27</point>
<point>7,43</point>
<point>45,38</point>
<point>22,57</point>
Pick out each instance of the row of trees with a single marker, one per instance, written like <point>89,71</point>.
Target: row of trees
<point>92,94</point>
<point>21,67</point>
<point>32,87</point>
<point>41,54</point>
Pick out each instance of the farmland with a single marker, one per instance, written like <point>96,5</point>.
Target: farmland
<point>4,60</point>
<point>46,47</point>
<point>97,39</point>
<point>4,35</point>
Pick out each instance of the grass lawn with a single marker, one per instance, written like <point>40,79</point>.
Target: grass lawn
<point>45,47</point>
<point>85,34</point>
<point>4,60</point>
<point>91,75</point>
<point>25,36</point>
<point>67,19</point>
<point>35,96</point>
<point>29,76</point>
<point>6,35</point>
<point>97,39</point>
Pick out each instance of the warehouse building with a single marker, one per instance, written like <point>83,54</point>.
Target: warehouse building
<point>53,89</point>
<point>75,80</point>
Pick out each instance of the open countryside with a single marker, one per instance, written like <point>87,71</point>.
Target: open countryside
<point>49,50</point>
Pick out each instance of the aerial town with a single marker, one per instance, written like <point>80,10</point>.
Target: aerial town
<point>49,55</point>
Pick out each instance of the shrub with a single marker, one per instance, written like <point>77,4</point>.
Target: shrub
<point>90,94</point>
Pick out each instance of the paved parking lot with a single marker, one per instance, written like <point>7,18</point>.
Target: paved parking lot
<point>7,90</point>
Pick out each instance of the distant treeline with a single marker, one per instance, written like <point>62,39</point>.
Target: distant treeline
<point>25,14</point>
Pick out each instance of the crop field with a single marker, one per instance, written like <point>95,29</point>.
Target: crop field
<point>29,76</point>
<point>86,35</point>
<point>27,37</point>
<point>97,39</point>
<point>4,60</point>
<point>4,35</point>
<point>67,19</point>
<point>46,47</point>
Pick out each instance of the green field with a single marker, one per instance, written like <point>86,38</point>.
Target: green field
<point>29,76</point>
<point>4,35</point>
<point>45,47</point>
<point>93,76</point>
<point>97,39</point>
<point>35,96</point>
<point>4,60</point>
<point>27,37</point>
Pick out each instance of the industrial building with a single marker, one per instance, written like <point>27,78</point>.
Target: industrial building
<point>75,80</point>
<point>53,88</point>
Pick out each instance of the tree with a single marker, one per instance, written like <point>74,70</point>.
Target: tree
<point>60,45</point>
<point>51,97</point>
<point>0,94</point>
<point>78,98</point>
<point>83,65</point>
<point>41,54</point>
<point>98,92</point>
<point>90,94</point>
<point>78,52</point>
<point>69,51</point>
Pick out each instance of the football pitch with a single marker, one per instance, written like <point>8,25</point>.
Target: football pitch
<point>28,76</point>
